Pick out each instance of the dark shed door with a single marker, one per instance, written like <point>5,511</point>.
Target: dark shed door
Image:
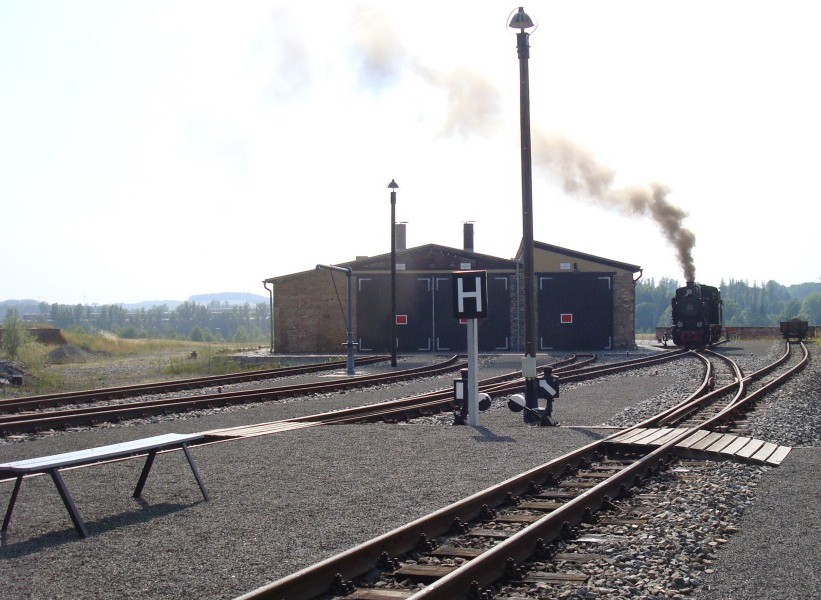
<point>414,304</point>
<point>494,332</point>
<point>575,311</point>
<point>425,305</point>
<point>373,310</point>
<point>414,308</point>
<point>451,336</point>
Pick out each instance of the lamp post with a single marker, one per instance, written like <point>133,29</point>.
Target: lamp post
<point>523,22</point>
<point>393,187</point>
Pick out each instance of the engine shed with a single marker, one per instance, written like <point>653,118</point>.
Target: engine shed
<point>584,302</point>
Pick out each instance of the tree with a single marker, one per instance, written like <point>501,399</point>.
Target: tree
<point>811,308</point>
<point>790,310</point>
<point>12,333</point>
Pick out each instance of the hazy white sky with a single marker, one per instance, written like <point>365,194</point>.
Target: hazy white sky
<point>158,149</point>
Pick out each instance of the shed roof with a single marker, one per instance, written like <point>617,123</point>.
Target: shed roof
<point>438,257</point>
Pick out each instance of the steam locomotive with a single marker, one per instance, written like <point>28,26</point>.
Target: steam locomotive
<point>697,315</point>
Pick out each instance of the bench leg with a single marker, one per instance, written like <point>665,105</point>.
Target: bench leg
<point>70,507</point>
<point>196,472</point>
<point>144,475</point>
<point>17,483</point>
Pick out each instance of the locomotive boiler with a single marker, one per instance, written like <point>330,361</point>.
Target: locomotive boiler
<point>697,315</point>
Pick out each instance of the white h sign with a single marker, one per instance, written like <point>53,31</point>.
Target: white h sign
<point>470,294</point>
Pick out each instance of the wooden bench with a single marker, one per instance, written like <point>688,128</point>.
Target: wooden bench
<point>52,465</point>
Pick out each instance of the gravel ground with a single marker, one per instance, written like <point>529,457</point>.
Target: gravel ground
<point>281,502</point>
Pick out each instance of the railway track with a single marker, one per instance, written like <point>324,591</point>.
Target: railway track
<point>56,416</point>
<point>574,368</point>
<point>42,401</point>
<point>37,420</point>
<point>486,545</point>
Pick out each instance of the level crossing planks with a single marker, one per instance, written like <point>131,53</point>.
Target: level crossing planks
<point>709,443</point>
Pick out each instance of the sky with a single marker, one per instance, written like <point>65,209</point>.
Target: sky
<point>157,149</point>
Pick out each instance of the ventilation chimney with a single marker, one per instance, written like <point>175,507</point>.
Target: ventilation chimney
<point>468,243</point>
<point>401,237</point>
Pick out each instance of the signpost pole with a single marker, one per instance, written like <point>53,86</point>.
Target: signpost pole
<point>473,373</point>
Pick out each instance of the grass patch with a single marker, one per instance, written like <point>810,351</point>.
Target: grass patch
<point>113,361</point>
<point>208,361</point>
<point>111,345</point>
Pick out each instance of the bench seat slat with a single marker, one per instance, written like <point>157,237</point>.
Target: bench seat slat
<point>67,459</point>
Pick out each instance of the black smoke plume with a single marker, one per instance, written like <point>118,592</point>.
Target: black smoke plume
<point>474,108</point>
<point>582,176</point>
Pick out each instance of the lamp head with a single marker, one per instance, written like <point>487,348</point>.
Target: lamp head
<point>393,185</point>
<point>521,21</point>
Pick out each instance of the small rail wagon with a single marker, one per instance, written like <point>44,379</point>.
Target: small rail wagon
<point>794,329</point>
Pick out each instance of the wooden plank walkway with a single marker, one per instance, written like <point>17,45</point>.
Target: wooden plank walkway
<point>704,442</point>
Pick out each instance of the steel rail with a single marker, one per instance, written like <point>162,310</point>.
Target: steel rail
<point>744,403</point>
<point>493,564</point>
<point>772,366</point>
<point>26,422</point>
<point>437,401</point>
<point>402,409</point>
<point>468,579</point>
<point>318,578</point>
<point>686,408</point>
<point>88,396</point>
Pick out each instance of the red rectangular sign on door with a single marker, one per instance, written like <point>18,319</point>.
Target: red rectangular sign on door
<point>566,318</point>
<point>401,319</point>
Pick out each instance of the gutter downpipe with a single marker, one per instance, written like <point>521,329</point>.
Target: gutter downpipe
<point>635,281</point>
<point>271,295</point>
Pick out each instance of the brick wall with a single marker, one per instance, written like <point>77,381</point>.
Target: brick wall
<point>308,317</point>
<point>624,315</point>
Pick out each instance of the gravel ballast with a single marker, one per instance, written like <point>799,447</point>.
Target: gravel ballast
<point>282,502</point>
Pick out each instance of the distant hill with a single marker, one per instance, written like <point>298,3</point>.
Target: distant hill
<point>230,298</point>
<point>147,304</point>
<point>32,307</point>
<point>24,307</point>
<point>802,290</point>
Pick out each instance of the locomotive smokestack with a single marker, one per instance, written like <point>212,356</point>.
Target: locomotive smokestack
<point>468,236</point>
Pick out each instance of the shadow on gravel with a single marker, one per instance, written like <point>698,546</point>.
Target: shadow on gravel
<point>593,434</point>
<point>69,534</point>
<point>488,436</point>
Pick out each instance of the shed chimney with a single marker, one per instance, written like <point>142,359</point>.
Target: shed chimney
<point>468,230</point>
<point>401,237</point>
